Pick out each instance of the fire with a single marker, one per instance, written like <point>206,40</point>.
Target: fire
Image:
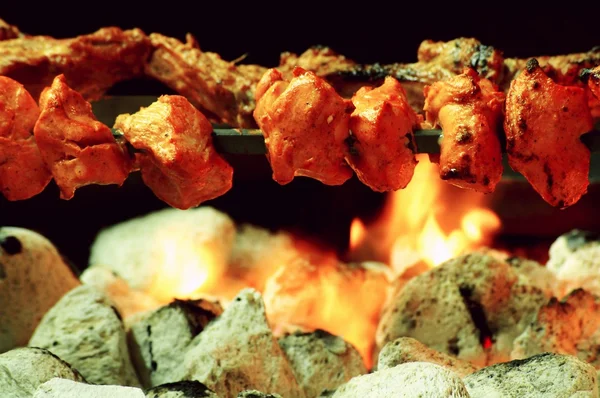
<point>357,233</point>
<point>430,221</point>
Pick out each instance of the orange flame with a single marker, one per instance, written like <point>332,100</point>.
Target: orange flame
<point>430,220</point>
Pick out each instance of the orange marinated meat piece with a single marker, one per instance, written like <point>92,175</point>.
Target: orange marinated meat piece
<point>382,151</point>
<point>77,148</point>
<point>543,124</point>
<point>469,111</point>
<point>23,173</point>
<point>175,152</point>
<point>306,126</point>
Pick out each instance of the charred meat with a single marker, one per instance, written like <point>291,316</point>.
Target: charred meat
<point>543,125</point>
<point>175,153</point>
<point>77,148</point>
<point>469,111</point>
<point>90,63</point>
<point>23,173</point>
<point>305,123</point>
<point>382,145</point>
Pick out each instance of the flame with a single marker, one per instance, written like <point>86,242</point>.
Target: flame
<point>183,270</point>
<point>430,220</point>
<point>357,233</point>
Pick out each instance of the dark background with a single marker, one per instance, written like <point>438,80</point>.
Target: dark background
<point>367,32</point>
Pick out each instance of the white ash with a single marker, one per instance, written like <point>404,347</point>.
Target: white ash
<point>33,277</point>
<point>237,351</point>
<point>127,300</point>
<point>409,380</point>
<point>406,349</point>
<point>256,394</point>
<point>135,249</point>
<point>257,253</point>
<point>575,262</point>
<point>181,389</point>
<point>159,339</point>
<point>321,361</point>
<point>454,307</point>
<point>22,370</point>
<point>570,326</point>
<point>545,375</point>
<point>85,329</point>
<point>61,388</point>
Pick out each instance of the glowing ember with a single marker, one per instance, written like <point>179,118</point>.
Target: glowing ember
<point>430,220</point>
<point>357,233</point>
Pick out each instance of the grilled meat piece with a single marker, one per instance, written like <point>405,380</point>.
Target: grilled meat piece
<point>469,111</point>
<point>8,32</point>
<point>305,123</point>
<point>319,59</point>
<point>90,63</point>
<point>592,76</point>
<point>176,156</point>
<point>23,173</point>
<point>382,149</point>
<point>543,124</point>
<point>217,87</point>
<point>77,148</point>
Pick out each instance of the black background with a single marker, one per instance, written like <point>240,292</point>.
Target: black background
<point>365,31</point>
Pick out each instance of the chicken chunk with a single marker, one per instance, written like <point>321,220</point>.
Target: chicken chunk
<point>77,148</point>
<point>305,123</point>
<point>543,124</point>
<point>469,111</point>
<point>8,32</point>
<point>593,80</point>
<point>382,151</point>
<point>91,63</point>
<point>219,88</point>
<point>176,156</point>
<point>23,173</point>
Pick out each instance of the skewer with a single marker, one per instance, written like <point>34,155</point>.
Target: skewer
<point>251,142</point>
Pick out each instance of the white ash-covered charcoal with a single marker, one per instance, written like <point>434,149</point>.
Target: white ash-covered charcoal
<point>471,307</point>
<point>159,339</point>
<point>146,251</point>
<point>61,388</point>
<point>181,389</point>
<point>256,394</point>
<point>33,276</point>
<point>535,274</point>
<point>409,380</point>
<point>570,326</point>
<point>22,370</point>
<point>237,351</point>
<point>575,262</point>
<point>86,330</point>
<point>127,300</point>
<point>321,361</point>
<point>406,349</point>
<point>541,376</point>
<point>257,253</point>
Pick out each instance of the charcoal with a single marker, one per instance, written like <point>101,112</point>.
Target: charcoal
<point>237,351</point>
<point>409,380</point>
<point>181,389</point>
<point>60,388</point>
<point>545,375</point>
<point>86,330</point>
<point>33,277</point>
<point>321,361</point>
<point>22,370</point>
<point>127,300</point>
<point>575,262</point>
<point>159,339</point>
<point>570,326</point>
<point>406,349</point>
<point>471,307</point>
<point>135,249</point>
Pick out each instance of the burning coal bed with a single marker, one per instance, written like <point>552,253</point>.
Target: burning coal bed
<point>188,304</point>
